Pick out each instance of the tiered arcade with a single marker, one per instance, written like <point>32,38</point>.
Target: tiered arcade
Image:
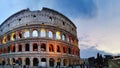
<point>39,38</point>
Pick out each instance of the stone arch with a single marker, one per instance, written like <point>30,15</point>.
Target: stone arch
<point>50,34</point>
<point>58,35</point>
<point>43,32</point>
<point>58,62</point>
<point>35,61</point>
<point>27,47</point>
<point>69,50</point>
<point>26,33</point>
<point>19,61</point>
<point>13,61</point>
<point>35,47</point>
<point>64,49</point>
<point>19,34</point>
<point>43,61</point>
<point>43,47</point>
<point>58,48</point>
<point>8,48</point>
<point>13,48</point>
<point>27,61</point>
<point>19,48</point>
<point>51,62</point>
<point>35,33</point>
<point>51,48</point>
<point>65,62</point>
<point>13,36</point>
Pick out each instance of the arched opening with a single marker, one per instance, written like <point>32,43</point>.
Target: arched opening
<point>27,61</point>
<point>0,50</point>
<point>69,50</point>
<point>43,32</point>
<point>51,62</point>
<point>63,37</point>
<point>5,50</point>
<point>27,47</point>
<point>58,62</point>
<point>13,48</point>
<point>35,62</point>
<point>58,49</point>
<point>4,39</point>
<point>64,49</point>
<point>58,35</point>
<point>65,62</point>
<point>35,33</point>
<point>26,33</point>
<point>19,48</point>
<point>43,47</point>
<point>35,47</point>
<point>51,48</point>
<point>43,61</point>
<point>13,61</point>
<point>13,36</point>
<point>50,34</point>
<point>20,61</point>
<point>19,34</point>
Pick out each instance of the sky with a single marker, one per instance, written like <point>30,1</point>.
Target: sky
<point>97,21</point>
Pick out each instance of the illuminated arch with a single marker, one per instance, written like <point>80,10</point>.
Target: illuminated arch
<point>13,36</point>
<point>4,39</point>
<point>43,47</point>
<point>19,34</point>
<point>58,49</point>
<point>35,33</point>
<point>43,32</point>
<point>26,33</point>
<point>58,35</point>
<point>35,47</point>
<point>51,48</point>
<point>50,34</point>
<point>63,37</point>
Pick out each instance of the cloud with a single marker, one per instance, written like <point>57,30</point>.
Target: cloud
<point>91,52</point>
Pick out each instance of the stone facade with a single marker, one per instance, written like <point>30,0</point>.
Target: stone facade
<point>39,38</point>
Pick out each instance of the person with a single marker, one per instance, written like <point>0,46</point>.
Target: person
<point>24,66</point>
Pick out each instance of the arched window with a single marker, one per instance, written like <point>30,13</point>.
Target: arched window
<point>8,49</point>
<point>13,36</point>
<point>35,33</point>
<point>63,37</point>
<point>58,49</point>
<point>43,32</point>
<point>43,60</point>
<point>13,61</point>
<point>13,48</point>
<point>19,34</point>
<point>69,50</point>
<point>58,35</point>
<point>4,39</point>
<point>35,47</point>
<point>50,34</point>
<point>51,62</point>
<point>35,62</point>
<point>19,48</point>
<point>65,62</point>
<point>27,61</point>
<point>58,62</point>
<point>20,61</point>
<point>27,47</point>
<point>64,50</point>
<point>26,33</point>
<point>43,47</point>
<point>51,48</point>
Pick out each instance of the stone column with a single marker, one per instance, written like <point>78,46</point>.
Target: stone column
<point>31,61</point>
<point>47,62</point>
<point>23,47</point>
<point>61,62</point>
<point>30,33</point>
<point>47,46</point>
<point>10,61</point>
<point>39,61</point>
<point>31,47</point>
<point>23,60</point>
<point>16,47</point>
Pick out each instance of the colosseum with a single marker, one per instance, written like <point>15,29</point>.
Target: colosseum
<point>39,38</point>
